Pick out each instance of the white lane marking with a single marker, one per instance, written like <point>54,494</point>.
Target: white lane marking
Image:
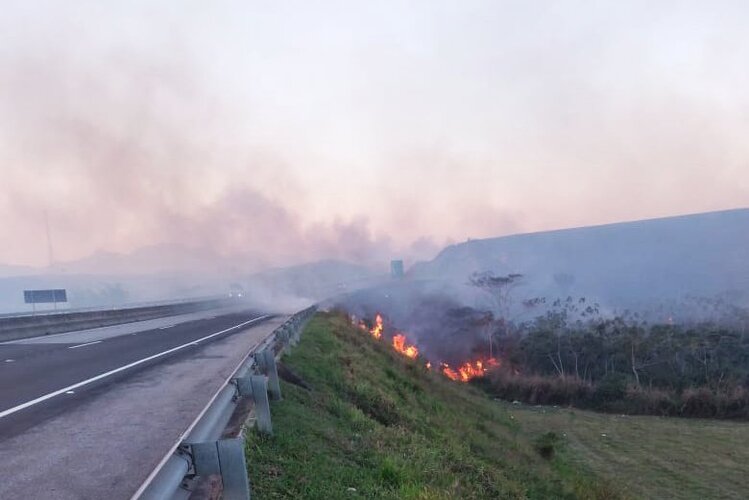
<point>165,327</point>
<point>9,360</point>
<point>84,345</point>
<point>187,432</point>
<point>51,395</point>
<point>69,392</point>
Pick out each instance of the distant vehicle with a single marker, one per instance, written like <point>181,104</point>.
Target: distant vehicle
<point>236,291</point>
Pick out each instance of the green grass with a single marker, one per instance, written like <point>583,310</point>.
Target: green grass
<point>653,457</point>
<point>377,425</point>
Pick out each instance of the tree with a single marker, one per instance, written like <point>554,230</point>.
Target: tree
<point>498,288</point>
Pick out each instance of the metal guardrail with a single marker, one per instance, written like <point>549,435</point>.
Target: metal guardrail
<point>200,451</point>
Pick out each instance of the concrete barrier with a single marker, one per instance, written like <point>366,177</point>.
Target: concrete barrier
<point>22,327</point>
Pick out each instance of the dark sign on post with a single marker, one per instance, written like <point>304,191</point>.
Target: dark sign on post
<point>45,296</point>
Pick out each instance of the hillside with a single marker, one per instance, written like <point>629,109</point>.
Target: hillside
<point>619,265</point>
<point>375,425</point>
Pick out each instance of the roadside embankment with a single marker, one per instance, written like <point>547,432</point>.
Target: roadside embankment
<point>375,424</point>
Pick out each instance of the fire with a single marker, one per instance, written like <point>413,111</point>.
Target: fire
<point>376,330</point>
<point>463,373</point>
<point>399,344</point>
<point>468,370</point>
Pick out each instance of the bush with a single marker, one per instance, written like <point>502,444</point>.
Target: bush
<point>650,401</point>
<point>611,387</point>
<point>614,394</point>
<point>540,390</point>
<point>734,403</point>
<point>699,402</point>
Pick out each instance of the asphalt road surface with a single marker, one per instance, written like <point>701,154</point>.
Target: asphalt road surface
<point>70,401</point>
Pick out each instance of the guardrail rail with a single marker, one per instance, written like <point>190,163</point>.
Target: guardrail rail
<point>201,451</point>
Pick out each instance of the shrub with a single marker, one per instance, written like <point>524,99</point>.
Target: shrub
<point>734,403</point>
<point>698,402</point>
<point>614,394</point>
<point>535,389</point>
<point>650,401</point>
<point>611,387</point>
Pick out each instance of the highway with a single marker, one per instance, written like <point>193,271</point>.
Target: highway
<point>101,382</point>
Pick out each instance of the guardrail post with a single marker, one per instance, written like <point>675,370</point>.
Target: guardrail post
<point>267,361</point>
<point>284,334</point>
<point>262,406</point>
<point>292,334</point>
<point>225,457</point>
<point>256,387</point>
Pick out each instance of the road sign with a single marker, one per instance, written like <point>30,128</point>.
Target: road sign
<point>45,296</point>
<point>396,269</point>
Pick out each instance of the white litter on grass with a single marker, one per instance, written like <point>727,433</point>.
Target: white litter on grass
<point>603,435</point>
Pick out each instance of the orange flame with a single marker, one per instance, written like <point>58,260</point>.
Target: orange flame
<point>468,370</point>
<point>376,330</point>
<point>464,373</point>
<point>399,344</point>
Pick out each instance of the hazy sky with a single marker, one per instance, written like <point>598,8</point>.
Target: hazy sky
<point>291,131</point>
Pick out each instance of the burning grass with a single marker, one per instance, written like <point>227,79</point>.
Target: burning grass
<point>400,345</point>
<point>378,424</point>
<point>465,372</point>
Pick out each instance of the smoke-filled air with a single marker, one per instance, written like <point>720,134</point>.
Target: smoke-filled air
<point>150,151</point>
<point>374,249</point>
<point>290,132</point>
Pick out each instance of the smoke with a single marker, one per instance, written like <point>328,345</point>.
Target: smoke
<point>270,134</point>
<point>129,152</point>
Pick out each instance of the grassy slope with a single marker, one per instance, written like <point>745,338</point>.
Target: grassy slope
<point>377,425</point>
<point>654,457</point>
